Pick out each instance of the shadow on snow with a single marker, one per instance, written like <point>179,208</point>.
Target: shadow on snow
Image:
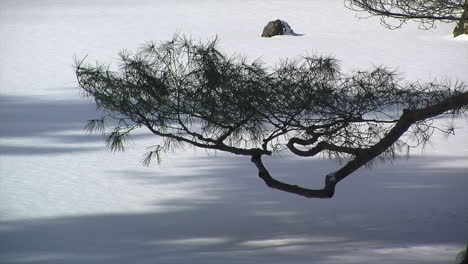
<point>402,213</point>
<point>61,122</point>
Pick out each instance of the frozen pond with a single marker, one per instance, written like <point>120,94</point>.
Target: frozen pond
<point>65,198</point>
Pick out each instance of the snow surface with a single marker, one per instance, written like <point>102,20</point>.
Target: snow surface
<point>64,198</point>
<point>288,30</point>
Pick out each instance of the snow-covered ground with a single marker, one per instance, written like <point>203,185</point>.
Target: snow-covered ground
<point>64,198</point>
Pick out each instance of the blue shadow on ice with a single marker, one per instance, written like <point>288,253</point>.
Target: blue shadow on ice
<point>371,220</point>
<point>61,121</point>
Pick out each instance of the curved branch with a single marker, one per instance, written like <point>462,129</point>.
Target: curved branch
<point>327,192</point>
<point>362,156</point>
<point>408,118</point>
<point>157,89</point>
<point>387,13</point>
<point>217,146</point>
<point>321,146</point>
<point>384,11</point>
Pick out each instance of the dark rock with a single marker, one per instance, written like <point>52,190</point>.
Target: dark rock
<point>273,28</point>
<point>278,27</point>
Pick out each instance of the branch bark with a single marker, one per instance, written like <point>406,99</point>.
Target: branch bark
<point>408,118</point>
<point>327,192</point>
<point>363,156</point>
<point>383,11</point>
<point>167,90</point>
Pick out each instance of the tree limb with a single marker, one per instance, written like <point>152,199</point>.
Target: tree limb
<point>326,192</point>
<point>408,118</point>
<point>191,94</point>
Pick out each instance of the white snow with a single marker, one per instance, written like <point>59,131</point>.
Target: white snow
<point>288,30</point>
<point>65,198</point>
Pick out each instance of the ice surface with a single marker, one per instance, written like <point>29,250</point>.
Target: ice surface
<point>64,198</point>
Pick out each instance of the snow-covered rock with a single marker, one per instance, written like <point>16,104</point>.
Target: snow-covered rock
<point>278,27</point>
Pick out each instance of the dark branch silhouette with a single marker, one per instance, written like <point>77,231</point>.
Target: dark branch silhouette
<point>191,93</point>
<point>394,13</point>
